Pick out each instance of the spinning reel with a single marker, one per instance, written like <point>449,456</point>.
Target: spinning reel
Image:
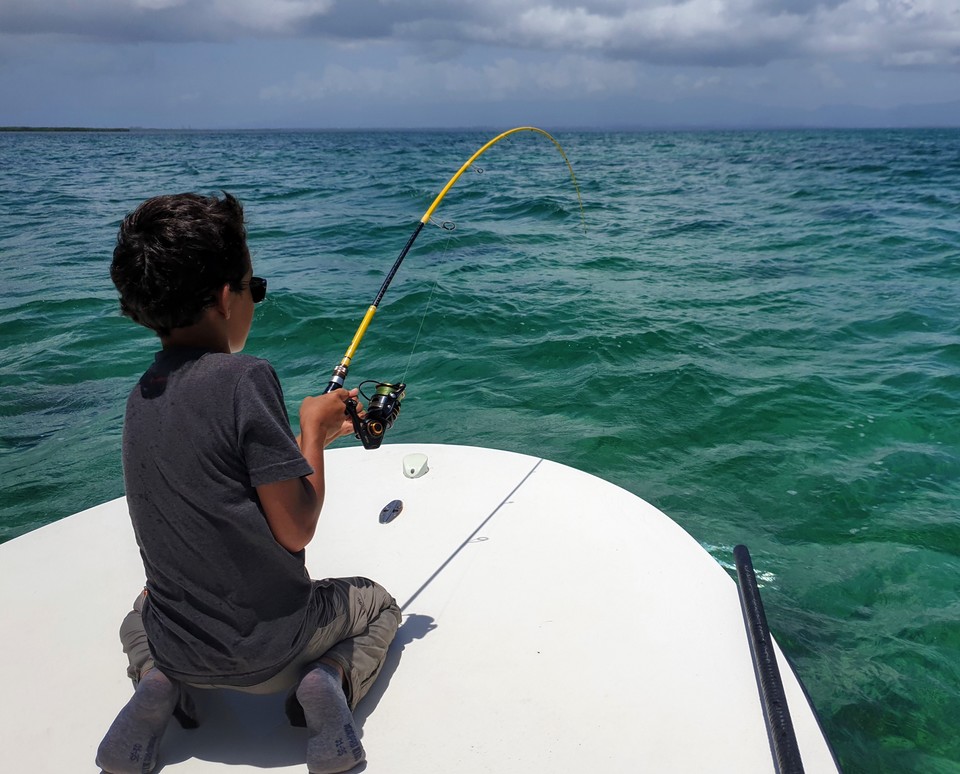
<point>382,411</point>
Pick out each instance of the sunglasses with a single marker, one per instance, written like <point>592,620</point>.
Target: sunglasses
<point>258,289</point>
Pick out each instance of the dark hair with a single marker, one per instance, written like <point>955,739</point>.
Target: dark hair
<point>174,253</point>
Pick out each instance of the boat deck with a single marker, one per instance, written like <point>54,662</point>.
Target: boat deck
<point>552,622</point>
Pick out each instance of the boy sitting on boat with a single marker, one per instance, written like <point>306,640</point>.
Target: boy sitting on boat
<point>223,500</point>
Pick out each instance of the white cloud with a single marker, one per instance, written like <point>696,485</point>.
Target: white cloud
<point>687,84</point>
<point>449,62</point>
<point>826,76</point>
<point>504,78</point>
<point>165,20</point>
<point>277,16</point>
<point>157,5</point>
<point>689,32</point>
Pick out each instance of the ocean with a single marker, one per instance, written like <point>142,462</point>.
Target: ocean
<point>756,331</point>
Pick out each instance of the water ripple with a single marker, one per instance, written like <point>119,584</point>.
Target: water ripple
<point>758,333</point>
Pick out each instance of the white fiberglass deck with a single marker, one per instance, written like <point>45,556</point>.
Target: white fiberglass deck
<point>552,623</point>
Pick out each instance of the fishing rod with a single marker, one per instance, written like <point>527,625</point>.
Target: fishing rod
<point>384,406</point>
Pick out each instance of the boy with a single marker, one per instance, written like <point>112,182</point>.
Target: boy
<point>223,500</point>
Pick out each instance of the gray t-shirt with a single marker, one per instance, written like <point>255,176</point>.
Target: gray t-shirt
<point>226,603</point>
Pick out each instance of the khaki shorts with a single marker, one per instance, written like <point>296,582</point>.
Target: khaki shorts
<point>359,621</point>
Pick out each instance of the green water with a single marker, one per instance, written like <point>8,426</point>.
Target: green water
<point>758,333</point>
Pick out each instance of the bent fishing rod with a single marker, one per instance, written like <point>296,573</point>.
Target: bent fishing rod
<point>384,405</point>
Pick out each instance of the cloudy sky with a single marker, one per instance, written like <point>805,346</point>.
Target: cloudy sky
<point>458,63</point>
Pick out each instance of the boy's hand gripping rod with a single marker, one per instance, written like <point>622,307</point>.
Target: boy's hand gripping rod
<point>339,376</point>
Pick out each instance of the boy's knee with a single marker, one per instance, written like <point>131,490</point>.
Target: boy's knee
<point>383,600</point>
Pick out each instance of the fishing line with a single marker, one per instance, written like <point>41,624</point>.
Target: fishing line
<point>433,289</point>
<point>385,405</point>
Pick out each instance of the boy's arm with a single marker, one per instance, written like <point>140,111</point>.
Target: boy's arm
<point>292,507</point>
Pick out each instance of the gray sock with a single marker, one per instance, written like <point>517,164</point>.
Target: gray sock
<point>130,746</point>
<point>333,745</point>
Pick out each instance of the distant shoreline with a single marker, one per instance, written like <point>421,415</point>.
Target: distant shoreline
<point>619,129</point>
<point>57,129</point>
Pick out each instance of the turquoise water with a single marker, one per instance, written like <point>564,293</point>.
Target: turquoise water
<point>758,333</point>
